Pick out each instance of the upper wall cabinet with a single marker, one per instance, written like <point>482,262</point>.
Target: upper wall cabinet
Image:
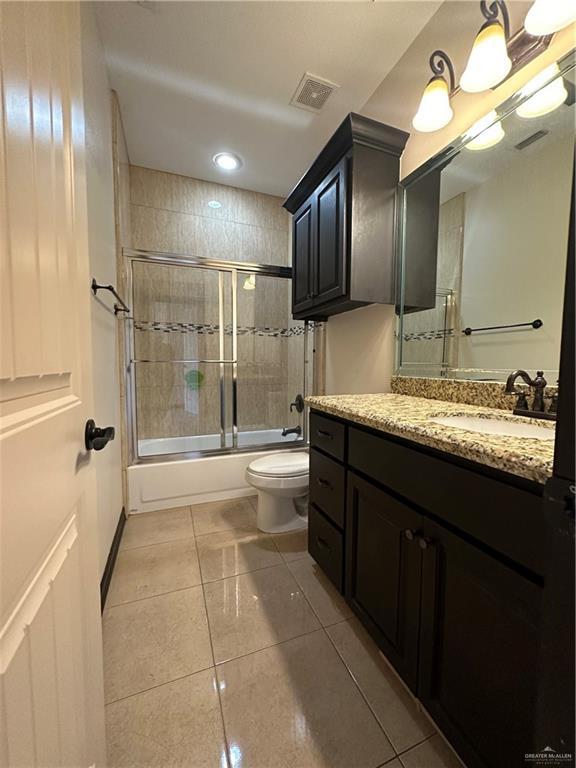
<point>343,221</point>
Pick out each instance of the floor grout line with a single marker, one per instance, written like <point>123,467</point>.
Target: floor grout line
<point>159,685</point>
<point>151,597</point>
<point>267,647</point>
<point>157,543</point>
<point>418,743</point>
<point>359,687</point>
<point>226,742</point>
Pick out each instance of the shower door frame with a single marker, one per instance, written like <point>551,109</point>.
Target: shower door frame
<point>131,256</point>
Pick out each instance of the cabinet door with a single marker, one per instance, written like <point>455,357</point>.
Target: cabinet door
<point>478,650</point>
<point>383,564</point>
<point>303,256</point>
<point>330,258</point>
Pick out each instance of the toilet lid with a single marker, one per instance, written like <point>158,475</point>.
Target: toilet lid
<point>281,464</point>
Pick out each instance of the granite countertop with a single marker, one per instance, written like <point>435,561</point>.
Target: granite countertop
<point>409,417</point>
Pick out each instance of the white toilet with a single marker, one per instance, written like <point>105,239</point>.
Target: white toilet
<point>281,480</point>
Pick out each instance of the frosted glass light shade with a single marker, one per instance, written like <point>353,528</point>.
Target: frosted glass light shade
<point>250,283</point>
<point>548,94</point>
<point>434,111</point>
<point>548,16</point>
<point>488,63</point>
<point>486,132</point>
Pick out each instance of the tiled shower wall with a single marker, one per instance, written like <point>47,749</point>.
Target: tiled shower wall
<point>171,213</point>
<point>176,308</point>
<point>426,333</point>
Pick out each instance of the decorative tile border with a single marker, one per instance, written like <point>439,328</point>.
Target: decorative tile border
<point>488,394</point>
<point>210,329</point>
<point>441,333</point>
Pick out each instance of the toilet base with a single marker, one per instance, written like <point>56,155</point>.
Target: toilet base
<point>279,514</point>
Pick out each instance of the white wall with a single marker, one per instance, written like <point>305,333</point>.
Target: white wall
<point>360,350</point>
<point>515,234</point>
<point>101,234</point>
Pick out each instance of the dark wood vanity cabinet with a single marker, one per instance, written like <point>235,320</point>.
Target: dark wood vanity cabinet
<point>442,566</point>
<point>343,221</point>
<point>383,571</point>
<point>479,638</point>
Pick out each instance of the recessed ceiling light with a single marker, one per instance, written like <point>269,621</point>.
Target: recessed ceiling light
<point>227,161</point>
<point>214,204</point>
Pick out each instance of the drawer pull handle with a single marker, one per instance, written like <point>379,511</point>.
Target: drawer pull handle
<point>409,534</point>
<point>323,433</point>
<point>324,483</point>
<point>322,543</point>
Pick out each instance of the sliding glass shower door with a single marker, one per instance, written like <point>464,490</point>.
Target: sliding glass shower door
<point>214,358</point>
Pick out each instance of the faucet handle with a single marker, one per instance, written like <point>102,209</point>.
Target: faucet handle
<point>522,402</point>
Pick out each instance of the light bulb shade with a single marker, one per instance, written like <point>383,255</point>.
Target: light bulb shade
<point>485,132</point>
<point>434,111</point>
<point>489,62</point>
<point>548,16</point>
<point>547,94</point>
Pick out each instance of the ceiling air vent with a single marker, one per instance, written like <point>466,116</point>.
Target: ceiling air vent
<point>312,93</point>
<point>531,139</point>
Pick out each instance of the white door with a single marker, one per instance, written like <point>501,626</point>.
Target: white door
<point>51,711</point>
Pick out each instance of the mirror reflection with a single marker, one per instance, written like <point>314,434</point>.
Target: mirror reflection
<point>484,246</point>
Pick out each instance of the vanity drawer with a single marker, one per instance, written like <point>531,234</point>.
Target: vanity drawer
<point>325,544</point>
<point>327,486</point>
<point>328,435</point>
<point>506,518</point>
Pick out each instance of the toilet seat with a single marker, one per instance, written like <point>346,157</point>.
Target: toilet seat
<point>281,465</point>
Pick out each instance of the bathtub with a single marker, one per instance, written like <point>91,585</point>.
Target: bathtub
<point>163,445</point>
<point>180,482</point>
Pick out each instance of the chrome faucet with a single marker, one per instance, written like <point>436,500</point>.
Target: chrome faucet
<point>538,384</point>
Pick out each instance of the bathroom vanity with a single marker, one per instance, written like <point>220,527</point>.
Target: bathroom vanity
<point>439,556</point>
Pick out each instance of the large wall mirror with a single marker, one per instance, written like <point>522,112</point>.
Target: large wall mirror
<point>484,238</point>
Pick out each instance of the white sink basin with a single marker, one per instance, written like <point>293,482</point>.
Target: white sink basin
<point>496,427</point>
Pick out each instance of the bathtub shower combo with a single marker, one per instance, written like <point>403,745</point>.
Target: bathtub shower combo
<point>216,367</point>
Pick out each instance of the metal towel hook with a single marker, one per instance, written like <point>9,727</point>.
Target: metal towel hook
<point>120,306</point>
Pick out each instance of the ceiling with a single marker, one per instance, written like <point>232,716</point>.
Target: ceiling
<point>197,78</point>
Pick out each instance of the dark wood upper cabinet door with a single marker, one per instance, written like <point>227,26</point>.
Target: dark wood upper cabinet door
<point>303,256</point>
<point>330,259</point>
<point>478,650</point>
<point>383,565</point>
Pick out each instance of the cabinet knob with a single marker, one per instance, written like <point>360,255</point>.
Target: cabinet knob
<point>409,534</point>
<point>423,543</point>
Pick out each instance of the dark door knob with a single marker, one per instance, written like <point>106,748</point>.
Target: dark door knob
<point>96,438</point>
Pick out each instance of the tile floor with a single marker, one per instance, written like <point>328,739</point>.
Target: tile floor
<point>228,648</point>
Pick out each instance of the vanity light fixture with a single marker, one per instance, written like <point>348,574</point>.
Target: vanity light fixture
<point>545,98</point>
<point>486,132</point>
<point>548,16</point>
<point>435,111</point>
<point>489,62</point>
<point>227,161</point>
